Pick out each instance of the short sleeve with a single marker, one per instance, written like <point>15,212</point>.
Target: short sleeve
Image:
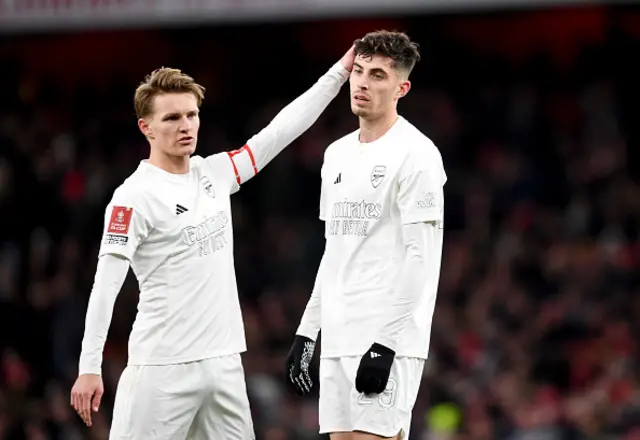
<point>421,187</point>
<point>228,169</point>
<point>125,227</point>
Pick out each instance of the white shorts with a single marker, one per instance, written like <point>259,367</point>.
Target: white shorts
<point>343,409</point>
<point>205,399</point>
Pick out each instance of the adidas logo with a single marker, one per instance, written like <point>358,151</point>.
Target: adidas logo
<point>180,209</point>
<point>338,179</point>
<point>374,355</point>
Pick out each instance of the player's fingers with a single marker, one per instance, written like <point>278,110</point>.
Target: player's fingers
<point>292,375</point>
<point>380,386</point>
<point>85,410</point>
<point>307,381</point>
<point>373,386</point>
<point>304,384</point>
<point>77,400</point>
<point>359,384</point>
<point>300,387</point>
<point>367,385</point>
<point>97,398</point>
<point>81,411</point>
<point>77,404</point>
<point>290,370</point>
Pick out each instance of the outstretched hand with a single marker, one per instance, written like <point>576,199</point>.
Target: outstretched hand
<point>348,58</point>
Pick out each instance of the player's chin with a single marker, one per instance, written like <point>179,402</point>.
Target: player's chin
<point>184,149</point>
<point>359,111</point>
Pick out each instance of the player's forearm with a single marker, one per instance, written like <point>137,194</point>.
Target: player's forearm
<point>310,322</point>
<point>411,282</point>
<point>297,117</point>
<point>110,275</point>
<point>312,317</point>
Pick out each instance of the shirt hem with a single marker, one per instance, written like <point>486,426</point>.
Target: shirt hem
<point>421,218</point>
<point>183,360</point>
<point>400,354</point>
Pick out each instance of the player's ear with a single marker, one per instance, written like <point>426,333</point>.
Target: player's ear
<point>404,88</point>
<point>145,128</point>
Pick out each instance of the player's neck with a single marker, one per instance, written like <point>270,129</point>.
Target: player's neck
<point>170,164</point>
<point>373,129</point>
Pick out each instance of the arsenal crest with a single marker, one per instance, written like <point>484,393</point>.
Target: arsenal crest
<point>378,173</point>
<point>208,187</point>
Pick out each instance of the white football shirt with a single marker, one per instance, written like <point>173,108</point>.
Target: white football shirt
<point>177,232</point>
<point>369,190</point>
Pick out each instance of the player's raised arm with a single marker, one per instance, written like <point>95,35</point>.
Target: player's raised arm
<point>290,123</point>
<point>124,228</point>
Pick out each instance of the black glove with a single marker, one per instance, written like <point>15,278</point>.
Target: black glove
<point>374,369</point>
<point>298,362</point>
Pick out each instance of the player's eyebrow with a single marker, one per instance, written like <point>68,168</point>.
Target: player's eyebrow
<point>373,70</point>
<point>378,70</point>
<point>170,116</point>
<point>177,115</point>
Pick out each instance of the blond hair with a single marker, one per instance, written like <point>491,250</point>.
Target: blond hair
<point>164,80</point>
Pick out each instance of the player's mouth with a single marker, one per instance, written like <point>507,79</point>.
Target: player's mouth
<point>186,140</point>
<point>360,98</point>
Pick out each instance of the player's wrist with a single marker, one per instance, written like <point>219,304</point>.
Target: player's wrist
<point>387,343</point>
<point>89,368</point>
<point>302,343</point>
<point>90,373</point>
<point>381,349</point>
<point>340,69</point>
<point>307,334</point>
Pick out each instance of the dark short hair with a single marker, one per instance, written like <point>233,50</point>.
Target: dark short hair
<point>395,45</point>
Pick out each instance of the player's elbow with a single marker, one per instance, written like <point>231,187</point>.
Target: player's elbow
<point>415,255</point>
<point>416,239</point>
<point>414,250</point>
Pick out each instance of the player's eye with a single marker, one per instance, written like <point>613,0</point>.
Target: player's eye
<point>378,76</point>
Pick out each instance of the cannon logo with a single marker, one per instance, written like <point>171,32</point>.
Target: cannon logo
<point>377,174</point>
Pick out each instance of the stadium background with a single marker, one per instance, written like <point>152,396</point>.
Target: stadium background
<point>535,111</point>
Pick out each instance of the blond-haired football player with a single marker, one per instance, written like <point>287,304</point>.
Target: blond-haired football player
<point>170,221</point>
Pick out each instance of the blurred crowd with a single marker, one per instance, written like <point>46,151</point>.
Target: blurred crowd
<point>536,329</point>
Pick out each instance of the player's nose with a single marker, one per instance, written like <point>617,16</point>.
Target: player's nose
<point>185,125</point>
